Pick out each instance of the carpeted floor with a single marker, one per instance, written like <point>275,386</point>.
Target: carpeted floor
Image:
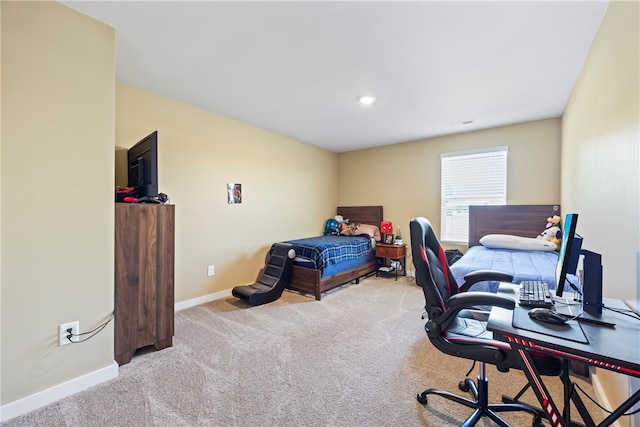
<point>356,358</point>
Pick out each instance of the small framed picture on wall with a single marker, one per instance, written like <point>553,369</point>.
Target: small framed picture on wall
<point>234,193</point>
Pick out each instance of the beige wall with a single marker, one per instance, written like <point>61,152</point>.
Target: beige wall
<point>58,101</point>
<point>601,161</point>
<point>288,188</point>
<point>405,178</point>
<point>600,168</point>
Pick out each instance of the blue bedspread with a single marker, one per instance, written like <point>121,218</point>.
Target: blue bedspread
<point>522,265</point>
<point>324,251</point>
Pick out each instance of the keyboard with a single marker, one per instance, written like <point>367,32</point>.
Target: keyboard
<point>534,294</point>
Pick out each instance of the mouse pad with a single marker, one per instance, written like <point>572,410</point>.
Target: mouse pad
<point>571,330</point>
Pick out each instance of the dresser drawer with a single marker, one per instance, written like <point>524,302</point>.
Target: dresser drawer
<point>390,251</point>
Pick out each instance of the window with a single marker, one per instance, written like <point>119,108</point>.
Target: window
<point>470,178</point>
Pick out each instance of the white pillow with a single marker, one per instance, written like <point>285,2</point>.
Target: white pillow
<point>506,241</point>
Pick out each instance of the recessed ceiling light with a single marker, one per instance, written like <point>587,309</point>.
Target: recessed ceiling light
<point>366,99</point>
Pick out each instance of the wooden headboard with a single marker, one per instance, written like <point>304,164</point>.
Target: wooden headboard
<point>517,220</point>
<point>362,214</point>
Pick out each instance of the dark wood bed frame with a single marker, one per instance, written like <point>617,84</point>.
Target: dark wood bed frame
<point>517,220</point>
<point>309,280</point>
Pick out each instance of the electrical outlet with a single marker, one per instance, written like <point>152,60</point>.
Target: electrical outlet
<point>211,270</point>
<point>63,332</point>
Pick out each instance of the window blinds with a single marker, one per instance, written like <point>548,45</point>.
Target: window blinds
<point>470,178</point>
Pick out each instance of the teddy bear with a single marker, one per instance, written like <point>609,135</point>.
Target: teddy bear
<point>552,232</point>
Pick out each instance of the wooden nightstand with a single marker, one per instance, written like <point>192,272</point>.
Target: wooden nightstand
<point>392,252</point>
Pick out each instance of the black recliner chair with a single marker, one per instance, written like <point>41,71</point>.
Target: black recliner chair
<point>272,279</point>
<point>454,330</point>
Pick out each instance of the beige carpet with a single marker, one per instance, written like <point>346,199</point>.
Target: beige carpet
<point>356,358</point>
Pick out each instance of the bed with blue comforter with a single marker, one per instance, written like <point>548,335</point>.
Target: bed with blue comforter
<point>514,220</point>
<point>521,264</point>
<point>333,254</point>
<point>325,262</point>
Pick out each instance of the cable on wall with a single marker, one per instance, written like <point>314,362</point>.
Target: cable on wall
<point>91,333</point>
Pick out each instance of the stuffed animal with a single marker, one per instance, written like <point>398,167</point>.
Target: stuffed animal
<point>335,226</point>
<point>331,227</point>
<point>554,221</point>
<point>342,223</point>
<point>552,233</point>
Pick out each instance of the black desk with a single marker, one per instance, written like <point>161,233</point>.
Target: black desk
<point>616,349</point>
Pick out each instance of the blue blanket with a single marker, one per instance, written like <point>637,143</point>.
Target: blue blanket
<point>522,265</point>
<point>327,250</point>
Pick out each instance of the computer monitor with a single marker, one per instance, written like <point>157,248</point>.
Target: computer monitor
<point>569,252</point>
<point>142,161</point>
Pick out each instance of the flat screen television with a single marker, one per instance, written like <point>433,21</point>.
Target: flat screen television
<point>569,252</point>
<point>142,161</point>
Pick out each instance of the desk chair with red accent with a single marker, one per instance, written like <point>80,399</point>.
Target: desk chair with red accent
<point>453,329</point>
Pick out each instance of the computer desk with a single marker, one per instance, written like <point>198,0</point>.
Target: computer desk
<point>616,349</point>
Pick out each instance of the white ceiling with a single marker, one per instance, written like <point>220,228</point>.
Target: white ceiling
<point>297,67</point>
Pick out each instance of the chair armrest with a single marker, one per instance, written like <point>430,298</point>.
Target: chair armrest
<point>482,276</point>
<point>464,300</point>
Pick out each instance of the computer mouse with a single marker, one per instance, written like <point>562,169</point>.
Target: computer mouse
<point>546,315</point>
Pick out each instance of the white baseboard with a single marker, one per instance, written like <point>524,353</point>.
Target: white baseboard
<point>202,300</point>
<point>50,395</point>
<point>219,295</point>
<point>601,396</point>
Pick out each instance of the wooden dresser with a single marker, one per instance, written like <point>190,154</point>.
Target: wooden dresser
<point>144,278</point>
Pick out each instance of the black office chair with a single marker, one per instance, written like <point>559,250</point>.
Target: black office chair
<point>272,279</point>
<point>454,330</point>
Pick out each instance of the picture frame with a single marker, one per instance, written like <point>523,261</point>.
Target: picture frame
<point>388,239</point>
<point>234,193</point>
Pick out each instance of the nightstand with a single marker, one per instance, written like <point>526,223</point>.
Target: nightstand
<point>392,252</point>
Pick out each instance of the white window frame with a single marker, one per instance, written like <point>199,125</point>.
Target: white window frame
<point>477,177</point>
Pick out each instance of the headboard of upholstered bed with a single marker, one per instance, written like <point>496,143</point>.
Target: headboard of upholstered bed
<point>517,220</point>
<point>361,214</point>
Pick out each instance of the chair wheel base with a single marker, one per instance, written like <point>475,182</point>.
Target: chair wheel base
<point>422,398</point>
